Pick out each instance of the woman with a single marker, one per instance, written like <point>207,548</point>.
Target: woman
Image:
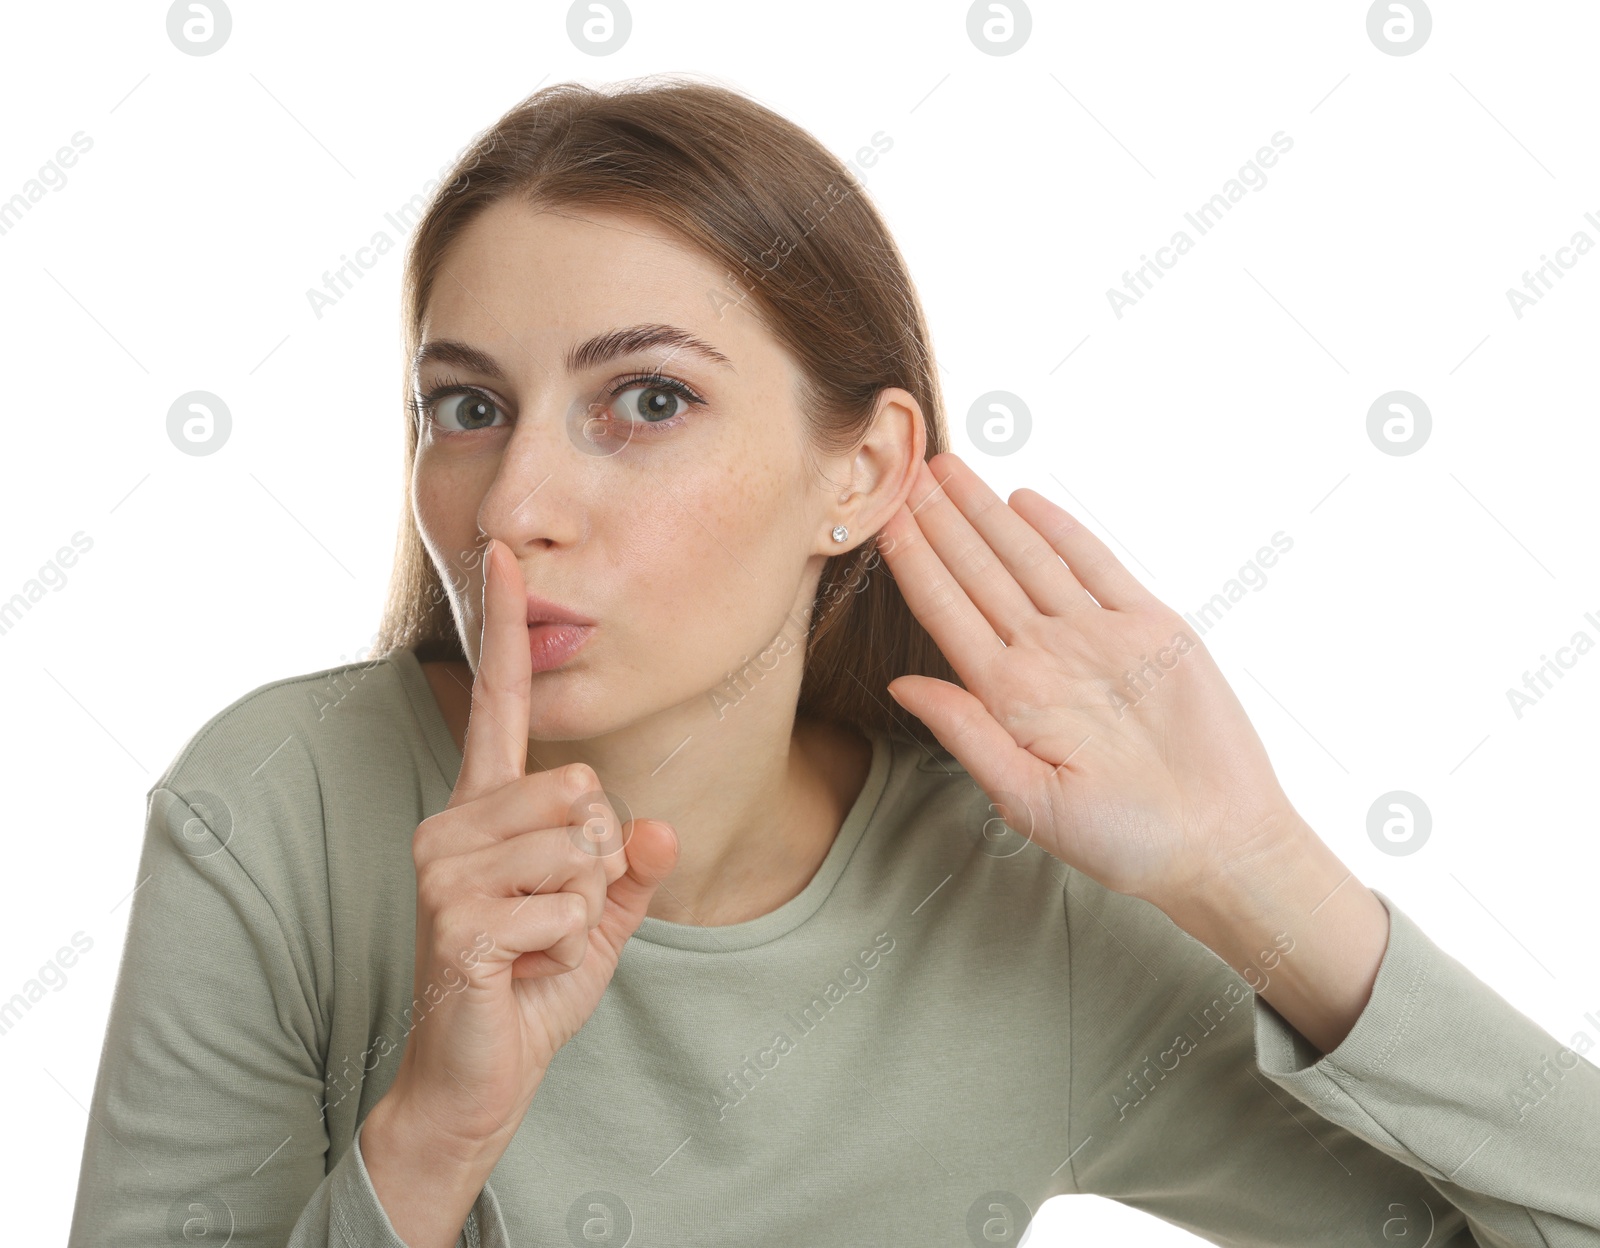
<point>754,831</point>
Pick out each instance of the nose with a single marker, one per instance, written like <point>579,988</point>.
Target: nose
<point>536,498</point>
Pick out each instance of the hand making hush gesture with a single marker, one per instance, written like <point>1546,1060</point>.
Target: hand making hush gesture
<point>1105,715</point>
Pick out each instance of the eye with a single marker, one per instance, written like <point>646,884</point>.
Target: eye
<point>652,401</point>
<point>460,409</point>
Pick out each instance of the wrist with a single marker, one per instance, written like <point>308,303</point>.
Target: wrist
<point>1245,884</point>
<point>1296,924</point>
<point>401,1127</point>
<point>425,1182</point>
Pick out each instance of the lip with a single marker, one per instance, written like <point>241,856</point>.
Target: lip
<point>551,645</point>
<point>543,611</point>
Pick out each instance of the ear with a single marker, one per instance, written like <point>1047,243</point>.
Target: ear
<point>869,484</point>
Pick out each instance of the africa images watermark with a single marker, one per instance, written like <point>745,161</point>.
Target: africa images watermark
<point>52,975</point>
<point>51,177</point>
<point>734,687</point>
<point>1537,683</point>
<point>1251,177</point>
<point>1251,576</point>
<point>340,681</point>
<point>1537,284</point>
<point>852,979</point>
<point>780,247</point>
<point>340,281</point>
<point>1142,1082</point>
<point>51,575</point>
<point>1539,1084</point>
<point>381,1047</point>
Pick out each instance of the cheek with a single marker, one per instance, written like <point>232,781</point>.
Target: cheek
<point>446,503</point>
<point>447,499</point>
<point>710,552</point>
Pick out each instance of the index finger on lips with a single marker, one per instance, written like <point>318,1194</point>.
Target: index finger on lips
<point>496,748</point>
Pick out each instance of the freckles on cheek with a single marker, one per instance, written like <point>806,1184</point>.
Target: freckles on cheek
<point>667,570</point>
<point>731,556</point>
<point>656,559</point>
<point>446,510</point>
<point>447,506</point>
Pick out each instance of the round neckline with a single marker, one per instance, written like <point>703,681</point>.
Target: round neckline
<point>726,938</point>
<point>734,937</point>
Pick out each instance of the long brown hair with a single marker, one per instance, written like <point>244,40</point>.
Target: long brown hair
<point>799,240</point>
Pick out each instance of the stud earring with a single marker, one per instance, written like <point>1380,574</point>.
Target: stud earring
<point>840,532</point>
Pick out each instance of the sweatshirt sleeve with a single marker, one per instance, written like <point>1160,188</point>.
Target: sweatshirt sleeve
<point>1442,1074</point>
<point>206,1120</point>
<point>1193,1100</point>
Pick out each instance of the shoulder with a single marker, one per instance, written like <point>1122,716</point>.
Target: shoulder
<point>1134,973</point>
<point>932,797</point>
<point>283,826</point>
<point>315,714</point>
<point>939,835</point>
<point>274,770</point>
<point>937,826</point>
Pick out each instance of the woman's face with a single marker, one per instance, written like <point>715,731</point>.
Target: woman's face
<point>663,493</point>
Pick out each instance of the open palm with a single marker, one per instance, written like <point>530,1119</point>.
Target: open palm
<point>1092,716</point>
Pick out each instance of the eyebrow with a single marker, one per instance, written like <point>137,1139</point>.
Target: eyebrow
<point>593,351</point>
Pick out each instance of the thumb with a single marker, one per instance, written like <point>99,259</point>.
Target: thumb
<point>652,852</point>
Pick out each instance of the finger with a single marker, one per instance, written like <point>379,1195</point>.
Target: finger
<point>551,924</point>
<point>963,725</point>
<point>566,954</point>
<point>496,748</point>
<point>596,830</point>
<point>1001,560</point>
<point>652,853</point>
<point>566,798</point>
<point>626,902</point>
<point>1097,569</point>
<point>546,861</point>
<point>966,554</point>
<point>937,599</point>
<point>541,964</point>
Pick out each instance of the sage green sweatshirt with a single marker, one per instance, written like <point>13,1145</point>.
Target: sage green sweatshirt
<point>942,1030</point>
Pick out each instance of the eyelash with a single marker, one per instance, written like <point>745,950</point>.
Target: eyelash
<point>421,407</point>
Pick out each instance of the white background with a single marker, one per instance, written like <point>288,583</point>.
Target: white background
<point>1229,404</point>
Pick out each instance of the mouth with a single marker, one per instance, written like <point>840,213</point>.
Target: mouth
<point>550,644</point>
<point>542,611</point>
